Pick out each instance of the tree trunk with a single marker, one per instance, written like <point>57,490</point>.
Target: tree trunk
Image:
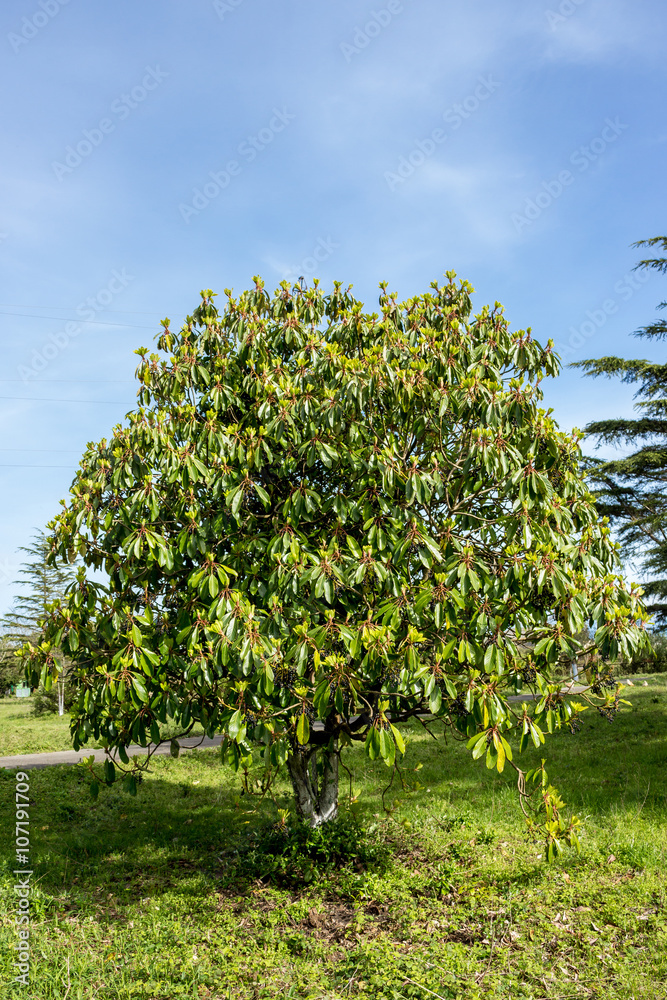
<point>60,685</point>
<point>316,801</point>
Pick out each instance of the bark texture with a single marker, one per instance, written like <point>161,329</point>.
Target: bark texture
<point>316,800</point>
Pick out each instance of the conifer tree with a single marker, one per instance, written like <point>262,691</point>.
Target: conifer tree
<point>44,583</point>
<point>633,489</point>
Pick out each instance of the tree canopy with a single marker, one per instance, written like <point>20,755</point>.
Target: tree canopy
<point>633,489</point>
<point>321,522</point>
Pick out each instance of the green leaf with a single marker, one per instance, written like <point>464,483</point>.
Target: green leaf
<point>303,729</point>
<point>500,750</point>
<point>354,547</point>
<point>507,748</point>
<point>435,701</point>
<point>387,747</point>
<point>139,687</point>
<point>262,494</point>
<point>400,743</point>
<point>130,784</point>
<point>235,724</point>
<point>372,744</point>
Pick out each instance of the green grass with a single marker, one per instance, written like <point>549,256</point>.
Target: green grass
<point>186,891</point>
<point>22,732</point>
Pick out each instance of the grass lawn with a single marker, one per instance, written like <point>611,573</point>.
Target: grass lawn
<point>185,891</point>
<point>23,732</point>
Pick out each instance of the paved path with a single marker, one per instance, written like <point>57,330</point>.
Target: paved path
<point>191,742</point>
<point>74,756</point>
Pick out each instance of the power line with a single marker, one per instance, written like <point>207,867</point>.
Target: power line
<point>31,305</point>
<point>38,399</point>
<point>82,322</point>
<point>74,381</point>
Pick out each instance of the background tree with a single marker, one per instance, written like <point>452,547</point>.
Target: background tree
<point>633,489</point>
<point>44,583</point>
<point>320,523</point>
<point>11,669</point>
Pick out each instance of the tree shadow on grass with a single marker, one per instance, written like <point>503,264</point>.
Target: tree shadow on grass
<point>189,831</point>
<point>191,834</point>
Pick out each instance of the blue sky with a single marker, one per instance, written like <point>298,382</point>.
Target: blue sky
<point>151,150</point>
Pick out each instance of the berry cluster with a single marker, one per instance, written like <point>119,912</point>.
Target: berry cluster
<point>609,711</point>
<point>458,707</point>
<point>250,720</point>
<point>284,676</point>
<point>604,681</point>
<point>544,600</point>
<point>391,676</point>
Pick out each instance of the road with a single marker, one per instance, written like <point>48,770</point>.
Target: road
<point>31,760</point>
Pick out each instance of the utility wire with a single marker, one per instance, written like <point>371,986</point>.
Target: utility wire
<point>82,322</point>
<point>74,381</point>
<point>31,305</point>
<point>49,399</point>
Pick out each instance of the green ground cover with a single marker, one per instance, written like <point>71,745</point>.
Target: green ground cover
<point>23,732</point>
<point>193,890</point>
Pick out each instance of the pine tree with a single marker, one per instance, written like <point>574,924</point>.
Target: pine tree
<point>633,489</point>
<point>44,583</point>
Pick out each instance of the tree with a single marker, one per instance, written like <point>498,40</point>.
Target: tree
<point>11,669</point>
<point>320,523</point>
<point>633,489</point>
<point>45,583</point>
